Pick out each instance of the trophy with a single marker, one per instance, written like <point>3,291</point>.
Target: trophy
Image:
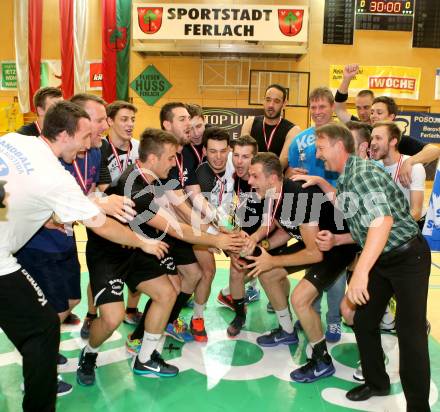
<point>225,218</point>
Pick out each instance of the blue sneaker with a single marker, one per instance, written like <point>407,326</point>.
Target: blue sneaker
<point>252,294</point>
<point>278,337</point>
<point>63,388</point>
<point>155,366</point>
<point>313,370</point>
<point>179,331</point>
<point>333,332</point>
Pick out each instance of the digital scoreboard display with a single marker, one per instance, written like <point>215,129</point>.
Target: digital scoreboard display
<point>396,15</point>
<point>386,7</point>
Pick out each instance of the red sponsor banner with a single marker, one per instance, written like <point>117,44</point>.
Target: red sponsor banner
<point>391,82</point>
<point>95,76</point>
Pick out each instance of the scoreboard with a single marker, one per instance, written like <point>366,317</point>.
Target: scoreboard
<point>427,24</point>
<point>385,15</point>
<point>422,17</point>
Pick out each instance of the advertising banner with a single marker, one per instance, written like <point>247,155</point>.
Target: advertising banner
<point>95,75</point>
<point>420,125</point>
<point>9,75</point>
<point>275,23</point>
<point>393,81</point>
<point>228,118</point>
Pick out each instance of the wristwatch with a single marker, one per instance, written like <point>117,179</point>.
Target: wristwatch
<point>265,244</point>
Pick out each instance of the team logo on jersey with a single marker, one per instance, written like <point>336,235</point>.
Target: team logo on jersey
<point>116,38</point>
<point>150,19</point>
<point>290,21</point>
<point>4,169</point>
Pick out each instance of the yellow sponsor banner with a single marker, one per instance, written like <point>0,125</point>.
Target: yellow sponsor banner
<point>393,81</point>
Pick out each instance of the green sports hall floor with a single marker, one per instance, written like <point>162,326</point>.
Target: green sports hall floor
<point>224,374</point>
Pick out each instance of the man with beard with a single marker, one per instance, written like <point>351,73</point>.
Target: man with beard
<point>385,139</point>
<point>395,259</point>
<point>272,132</point>
<point>371,110</point>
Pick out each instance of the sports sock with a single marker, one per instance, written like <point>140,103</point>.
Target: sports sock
<point>285,320</point>
<point>320,348</point>
<point>181,300</point>
<point>198,310</point>
<point>253,283</point>
<point>226,291</point>
<point>149,344</point>
<point>89,349</point>
<point>239,307</point>
<point>140,328</point>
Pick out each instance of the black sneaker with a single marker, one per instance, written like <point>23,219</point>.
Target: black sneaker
<point>155,366</point>
<point>85,374</point>
<point>313,370</point>
<point>61,359</point>
<point>235,326</point>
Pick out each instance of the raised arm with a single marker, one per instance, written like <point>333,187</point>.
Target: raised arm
<point>350,71</point>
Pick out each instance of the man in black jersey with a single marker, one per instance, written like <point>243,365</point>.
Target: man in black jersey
<point>110,265</point>
<point>272,132</point>
<point>119,149</point>
<point>215,178</point>
<point>197,130</point>
<point>182,184</point>
<point>298,213</point>
<point>43,99</point>
<point>248,211</point>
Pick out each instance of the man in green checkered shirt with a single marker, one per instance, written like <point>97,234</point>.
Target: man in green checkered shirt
<point>395,260</point>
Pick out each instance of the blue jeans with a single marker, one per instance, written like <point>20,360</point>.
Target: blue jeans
<point>335,294</point>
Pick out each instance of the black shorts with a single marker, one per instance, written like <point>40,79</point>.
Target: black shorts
<point>58,274</point>
<point>323,274</point>
<point>181,251</point>
<point>109,271</point>
<point>288,250</point>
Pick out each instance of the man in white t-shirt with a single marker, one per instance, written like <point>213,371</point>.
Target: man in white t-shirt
<point>41,189</point>
<point>385,138</point>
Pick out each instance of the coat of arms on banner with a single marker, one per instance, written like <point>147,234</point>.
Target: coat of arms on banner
<point>290,21</point>
<point>150,19</point>
<point>116,38</point>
